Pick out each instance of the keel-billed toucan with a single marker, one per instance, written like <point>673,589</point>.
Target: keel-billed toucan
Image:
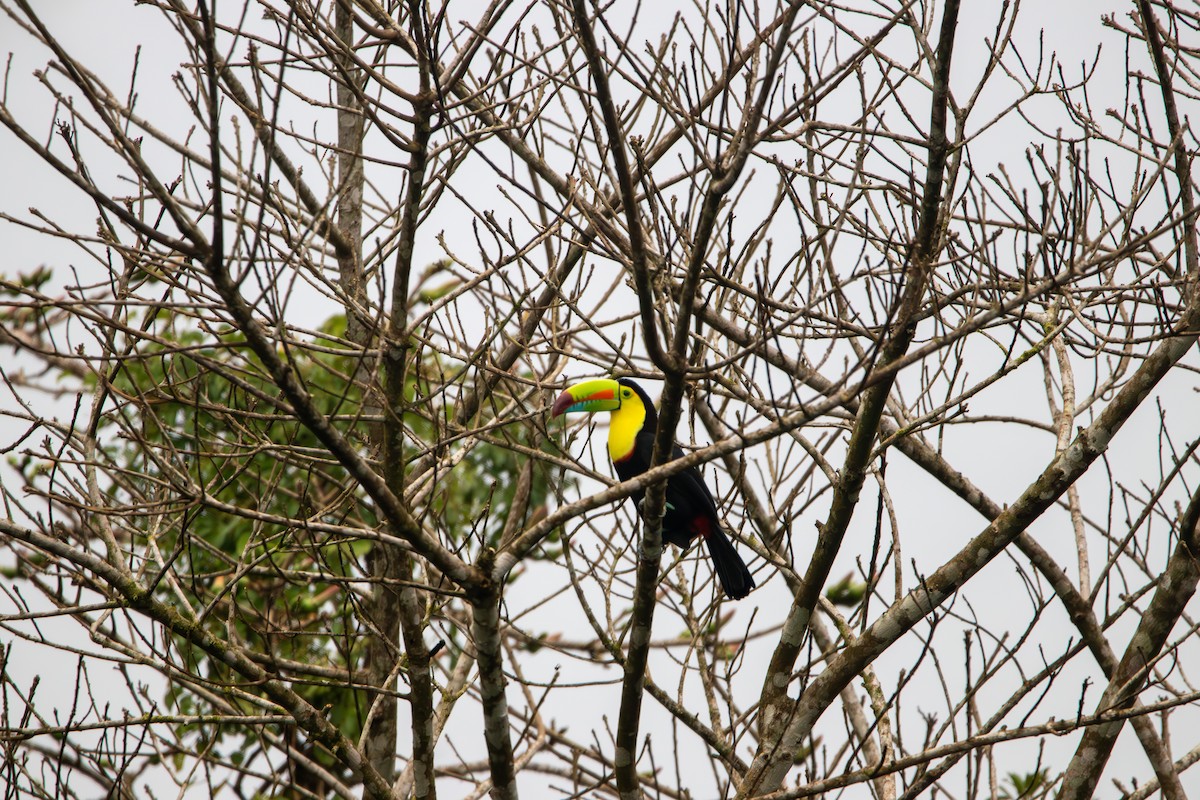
<point>691,511</point>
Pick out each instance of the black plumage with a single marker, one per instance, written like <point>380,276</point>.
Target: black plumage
<point>691,510</point>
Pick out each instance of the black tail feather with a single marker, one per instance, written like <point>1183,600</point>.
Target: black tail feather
<point>735,579</point>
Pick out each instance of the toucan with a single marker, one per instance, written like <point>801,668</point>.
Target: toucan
<point>691,511</point>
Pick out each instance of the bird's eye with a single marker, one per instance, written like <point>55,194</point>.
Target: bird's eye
<point>626,393</point>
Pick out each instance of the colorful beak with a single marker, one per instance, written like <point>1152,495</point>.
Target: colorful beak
<point>602,394</point>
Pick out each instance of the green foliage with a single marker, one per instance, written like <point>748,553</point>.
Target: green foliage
<point>806,751</point>
<point>847,592</point>
<point>1026,787</point>
<point>240,483</point>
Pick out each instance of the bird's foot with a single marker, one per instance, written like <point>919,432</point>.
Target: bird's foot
<point>641,506</point>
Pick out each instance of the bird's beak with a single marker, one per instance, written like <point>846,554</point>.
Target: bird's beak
<point>602,394</point>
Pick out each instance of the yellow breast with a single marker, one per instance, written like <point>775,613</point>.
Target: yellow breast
<point>624,425</point>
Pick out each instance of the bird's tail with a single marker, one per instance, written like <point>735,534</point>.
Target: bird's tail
<point>735,579</point>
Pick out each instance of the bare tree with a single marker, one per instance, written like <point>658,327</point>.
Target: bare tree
<point>283,491</point>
